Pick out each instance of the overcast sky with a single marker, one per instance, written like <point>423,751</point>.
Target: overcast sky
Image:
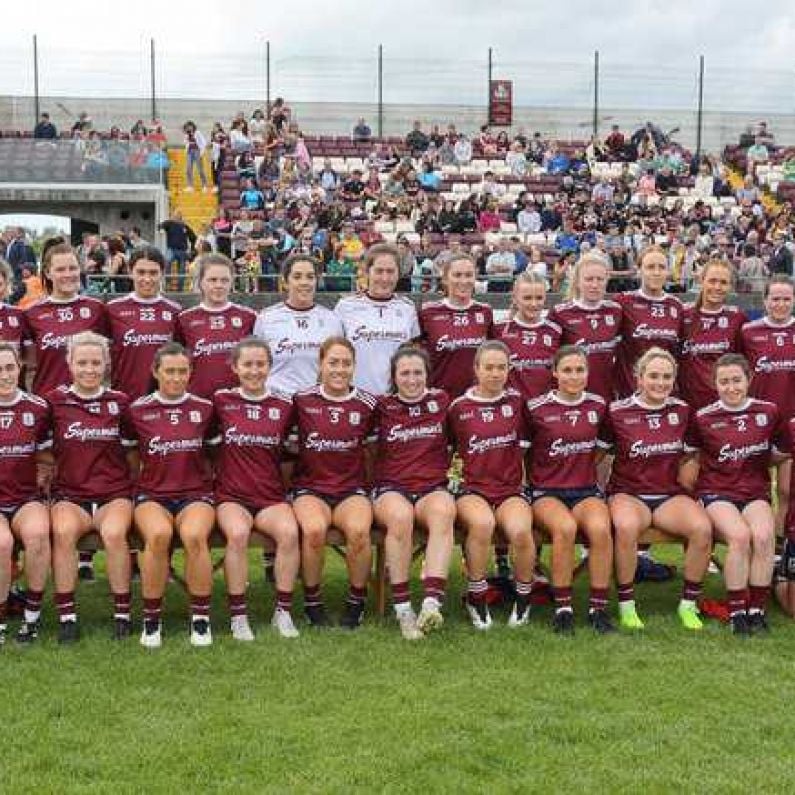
<point>326,49</point>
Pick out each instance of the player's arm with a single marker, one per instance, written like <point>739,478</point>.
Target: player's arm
<point>688,471</point>
<point>45,469</point>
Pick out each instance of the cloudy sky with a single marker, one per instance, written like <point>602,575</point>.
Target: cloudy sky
<point>434,51</point>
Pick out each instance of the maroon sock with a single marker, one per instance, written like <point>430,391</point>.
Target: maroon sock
<point>626,592</point>
<point>562,597</point>
<point>65,605</point>
<point>400,593</point>
<point>691,591</point>
<point>757,597</point>
<point>121,605</point>
<point>476,591</point>
<point>3,612</point>
<point>33,600</point>
<point>284,600</point>
<point>357,595</point>
<point>86,558</point>
<point>312,596</point>
<point>152,609</point>
<point>434,588</point>
<point>199,606</point>
<point>737,601</point>
<point>523,590</point>
<point>597,599</point>
<point>237,604</point>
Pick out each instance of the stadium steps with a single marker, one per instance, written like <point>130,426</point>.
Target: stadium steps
<point>197,208</point>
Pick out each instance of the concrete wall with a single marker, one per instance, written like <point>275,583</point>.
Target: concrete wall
<point>719,128</point>
<point>144,207</point>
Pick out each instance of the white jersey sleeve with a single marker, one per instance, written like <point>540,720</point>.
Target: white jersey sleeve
<point>377,328</point>
<point>294,337</point>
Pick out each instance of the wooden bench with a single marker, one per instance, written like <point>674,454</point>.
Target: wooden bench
<point>378,579</point>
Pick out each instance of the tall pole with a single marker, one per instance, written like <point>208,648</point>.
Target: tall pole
<point>595,125</point>
<point>380,90</point>
<point>152,94</point>
<point>488,88</point>
<point>268,79</point>
<point>36,108</point>
<point>700,114</point>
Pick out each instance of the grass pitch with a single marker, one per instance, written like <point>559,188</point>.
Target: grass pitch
<point>505,711</point>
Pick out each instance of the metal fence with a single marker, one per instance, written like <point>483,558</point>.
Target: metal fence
<point>569,99</point>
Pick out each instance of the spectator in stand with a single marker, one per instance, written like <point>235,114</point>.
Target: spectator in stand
<point>280,115</point>
<point>747,193</point>
<point>462,150</point>
<point>489,217</point>
<point>45,129</point>
<point>537,264</point>
<point>180,238</point>
<point>757,154</point>
<point>18,252</point>
<point>222,229</point>
<point>486,142</point>
<point>567,241</point>
<point>753,273</point>
<point>95,159</point>
<point>528,220</point>
<point>429,179</point>
<point>647,184</point>
<point>353,187</point>
<point>250,197</point>
<point>502,261</point>
<point>195,144</point>
<point>362,131</point>
<point>666,183</point>
<point>764,136</point>
<point>603,191</point>
<point>239,140</point>
<point>417,141</point>
<point>705,181</point>
<point>556,161</point>
<point>82,125</point>
<point>516,160</point>
<point>138,130</point>
<point>616,143</point>
<point>257,127</point>
<point>781,260</point>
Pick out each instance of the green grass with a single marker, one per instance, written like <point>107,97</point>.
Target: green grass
<point>506,711</point>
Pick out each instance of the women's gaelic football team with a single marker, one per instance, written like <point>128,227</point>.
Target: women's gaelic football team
<point>592,423</point>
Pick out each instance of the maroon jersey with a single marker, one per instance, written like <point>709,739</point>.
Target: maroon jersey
<point>770,350</point>
<point>13,326</point>
<point>598,330</point>
<point>331,437</point>
<point>253,432</point>
<point>24,429</point>
<point>412,442</point>
<point>645,323</point>
<point>452,335</point>
<point>532,350</point>
<point>90,463</point>
<point>563,440</point>
<point>735,447</point>
<point>488,435</point>
<point>648,444</point>
<point>51,324</point>
<point>171,438</point>
<point>138,327</point>
<point>210,335</point>
<point>707,336</point>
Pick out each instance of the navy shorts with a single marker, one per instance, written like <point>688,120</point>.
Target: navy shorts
<point>173,506</point>
<point>708,499</point>
<point>523,493</point>
<point>332,500</point>
<point>412,496</point>
<point>10,511</point>
<point>569,497</point>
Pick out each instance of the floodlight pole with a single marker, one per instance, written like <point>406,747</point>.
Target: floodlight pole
<point>488,87</point>
<point>700,114</point>
<point>595,125</point>
<point>153,95</point>
<point>380,90</point>
<point>36,106</point>
<point>268,79</point>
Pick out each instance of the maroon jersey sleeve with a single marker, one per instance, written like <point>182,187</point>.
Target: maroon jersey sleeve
<point>51,324</point>
<point>253,432</point>
<point>331,438</point>
<point>24,430</point>
<point>13,326</point>
<point>770,350</point>
<point>90,464</point>
<point>597,329</point>
<point>563,441</point>
<point>488,437</point>
<point>210,336</point>
<point>137,329</point>
<point>171,439</point>
<point>451,336</point>
<point>412,445</point>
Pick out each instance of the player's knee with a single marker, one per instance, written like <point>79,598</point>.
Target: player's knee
<point>565,532</point>
<point>740,542</point>
<point>763,541</point>
<point>357,540</point>
<point>314,535</point>
<point>237,539</point>
<point>194,543</point>
<point>158,541</point>
<point>114,538</point>
<point>6,545</point>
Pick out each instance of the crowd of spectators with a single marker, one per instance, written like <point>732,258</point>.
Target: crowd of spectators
<point>615,195</point>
